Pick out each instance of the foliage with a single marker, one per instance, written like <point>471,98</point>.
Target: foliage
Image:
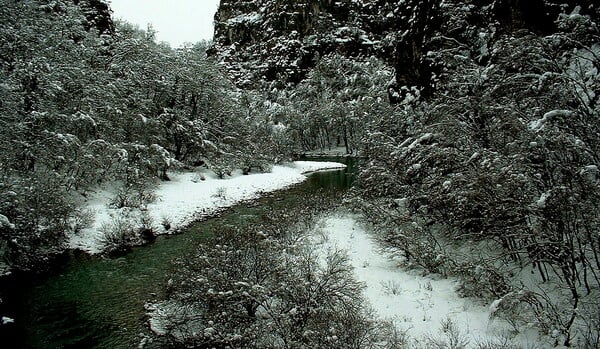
<point>503,155</point>
<point>119,233</point>
<point>337,102</point>
<point>38,216</point>
<point>261,286</point>
<point>83,105</point>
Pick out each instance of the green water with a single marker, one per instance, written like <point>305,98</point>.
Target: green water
<point>93,302</point>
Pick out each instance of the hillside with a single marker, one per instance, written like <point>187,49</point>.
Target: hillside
<point>271,41</point>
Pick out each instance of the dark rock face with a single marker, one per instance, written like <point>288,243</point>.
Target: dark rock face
<point>98,14</point>
<point>277,42</point>
<point>268,40</point>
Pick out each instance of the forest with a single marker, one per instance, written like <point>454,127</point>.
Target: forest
<point>483,170</point>
<point>83,106</point>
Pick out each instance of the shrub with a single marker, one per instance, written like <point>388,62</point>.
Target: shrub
<point>119,233</point>
<point>39,215</point>
<point>133,196</point>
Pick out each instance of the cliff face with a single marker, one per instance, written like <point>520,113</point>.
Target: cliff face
<point>263,42</point>
<point>98,14</point>
<point>267,40</point>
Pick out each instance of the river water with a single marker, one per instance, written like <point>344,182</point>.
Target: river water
<point>94,302</point>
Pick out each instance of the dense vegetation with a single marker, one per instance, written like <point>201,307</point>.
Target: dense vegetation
<point>82,106</point>
<point>485,167</point>
<point>503,158</point>
<point>262,285</point>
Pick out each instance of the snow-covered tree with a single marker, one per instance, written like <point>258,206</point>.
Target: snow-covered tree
<point>503,153</point>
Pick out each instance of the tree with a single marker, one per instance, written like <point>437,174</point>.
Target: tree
<point>504,153</point>
<point>260,286</point>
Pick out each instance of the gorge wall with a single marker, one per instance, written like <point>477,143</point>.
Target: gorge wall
<point>276,42</point>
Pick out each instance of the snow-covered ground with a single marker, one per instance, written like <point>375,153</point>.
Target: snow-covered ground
<point>419,305</point>
<point>191,196</point>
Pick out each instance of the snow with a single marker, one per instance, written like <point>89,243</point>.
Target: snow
<point>5,223</point>
<point>424,138</point>
<point>541,202</point>
<point>537,125</point>
<point>495,306</point>
<point>192,196</point>
<point>6,320</point>
<point>314,166</point>
<point>333,152</point>
<point>252,17</point>
<point>419,305</point>
<point>593,169</point>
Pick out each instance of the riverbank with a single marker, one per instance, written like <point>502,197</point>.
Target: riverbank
<point>427,310</point>
<point>92,302</point>
<point>186,198</point>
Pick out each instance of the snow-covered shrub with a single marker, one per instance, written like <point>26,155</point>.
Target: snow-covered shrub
<point>222,167</point>
<point>418,245</point>
<point>81,219</point>
<point>497,343</point>
<point>448,337</point>
<point>119,233</point>
<point>521,308</point>
<point>165,222</point>
<point>37,214</point>
<point>220,193</point>
<point>145,226</point>
<point>481,279</point>
<point>133,196</point>
<point>392,287</point>
<point>261,286</point>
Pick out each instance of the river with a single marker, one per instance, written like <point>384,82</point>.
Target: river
<point>98,302</point>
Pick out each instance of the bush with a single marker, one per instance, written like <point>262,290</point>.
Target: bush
<point>81,219</point>
<point>39,215</point>
<point>220,193</point>
<point>260,287</point>
<point>119,233</point>
<point>133,196</point>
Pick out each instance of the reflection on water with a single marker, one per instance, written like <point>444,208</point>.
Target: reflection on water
<point>99,302</point>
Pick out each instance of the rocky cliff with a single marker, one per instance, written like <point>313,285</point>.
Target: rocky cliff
<point>98,14</point>
<point>265,42</point>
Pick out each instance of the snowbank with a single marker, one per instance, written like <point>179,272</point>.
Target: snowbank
<point>191,196</point>
<point>422,306</point>
<point>315,166</point>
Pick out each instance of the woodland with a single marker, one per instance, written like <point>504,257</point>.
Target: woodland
<point>478,142</point>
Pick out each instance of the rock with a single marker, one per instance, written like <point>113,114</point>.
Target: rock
<point>147,234</point>
<point>275,44</point>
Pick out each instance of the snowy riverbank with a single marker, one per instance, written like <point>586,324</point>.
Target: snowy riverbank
<point>191,196</point>
<point>427,309</point>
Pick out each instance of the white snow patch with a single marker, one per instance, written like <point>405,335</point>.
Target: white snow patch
<point>541,202</point>
<point>5,223</point>
<point>248,18</point>
<point>537,125</point>
<point>333,152</point>
<point>414,303</point>
<point>424,138</point>
<point>185,199</point>
<point>590,169</point>
<point>495,306</point>
<point>314,166</point>
<point>6,320</point>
